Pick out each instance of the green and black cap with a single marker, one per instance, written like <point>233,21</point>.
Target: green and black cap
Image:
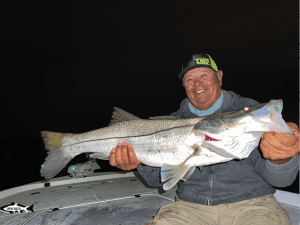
<point>198,60</point>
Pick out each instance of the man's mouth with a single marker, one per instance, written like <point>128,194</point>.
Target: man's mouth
<point>199,92</point>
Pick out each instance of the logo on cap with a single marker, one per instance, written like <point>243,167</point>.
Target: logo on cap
<point>202,61</point>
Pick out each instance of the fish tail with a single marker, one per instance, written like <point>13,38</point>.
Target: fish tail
<point>52,140</point>
<point>54,163</point>
<point>57,157</point>
<point>30,208</point>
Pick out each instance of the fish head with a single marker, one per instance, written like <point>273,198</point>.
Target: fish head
<point>256,119</point>
<point>268,117</point>
<point>235,134</point>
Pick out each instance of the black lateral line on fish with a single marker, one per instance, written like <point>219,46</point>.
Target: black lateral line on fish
<point>128,136</point>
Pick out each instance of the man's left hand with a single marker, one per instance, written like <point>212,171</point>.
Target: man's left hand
<point>280,145</point>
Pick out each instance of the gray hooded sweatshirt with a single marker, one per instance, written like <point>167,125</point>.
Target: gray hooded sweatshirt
<point>232,181</point>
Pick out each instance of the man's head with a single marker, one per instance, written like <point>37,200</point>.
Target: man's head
<point>202,81</point>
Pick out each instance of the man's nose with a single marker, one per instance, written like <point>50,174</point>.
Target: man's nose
<point>198,81</point>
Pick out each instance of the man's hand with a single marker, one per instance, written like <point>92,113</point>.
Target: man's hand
<point>278,146</point>
<point>123,157</point>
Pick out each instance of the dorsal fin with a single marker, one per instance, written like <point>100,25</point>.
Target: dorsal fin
<point>120,115</point>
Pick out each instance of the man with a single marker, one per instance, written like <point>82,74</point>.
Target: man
<point>238,192</point>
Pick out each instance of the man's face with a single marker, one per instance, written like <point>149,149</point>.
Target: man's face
<point>199,79</point>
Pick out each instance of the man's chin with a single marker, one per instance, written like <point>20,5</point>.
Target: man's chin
<point>200,100</point>
<point>199,103</point>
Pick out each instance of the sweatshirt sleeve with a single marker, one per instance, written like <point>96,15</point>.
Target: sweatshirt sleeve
<point>276,175</point>
<point>180,112</point>
<point>150,175</point>
<point>177,114</point>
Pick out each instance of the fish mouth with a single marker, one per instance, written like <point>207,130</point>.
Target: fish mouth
<point>208,138</point>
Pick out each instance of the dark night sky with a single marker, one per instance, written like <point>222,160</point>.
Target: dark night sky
<point>65,64</point>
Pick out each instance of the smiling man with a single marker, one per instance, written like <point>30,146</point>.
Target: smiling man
<point>237,192</point>
<point>203,87</point>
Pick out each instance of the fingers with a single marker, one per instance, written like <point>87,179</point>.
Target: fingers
<point>124,157</point>
<point>269,152</point>
<point>286,139</point>
<point>274,140</point>
<point>294,127</point>
<point>119,156</point>
<point>279,146</point>
<point>112,157</point>
<point>132,155</point>
<point>115,156</point>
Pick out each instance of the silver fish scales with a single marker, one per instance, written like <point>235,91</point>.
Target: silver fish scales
<point>178,146</point>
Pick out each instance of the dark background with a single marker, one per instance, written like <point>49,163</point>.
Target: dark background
<point>64,65</point>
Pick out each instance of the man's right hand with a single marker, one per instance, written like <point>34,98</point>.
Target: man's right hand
<point>119,157</point>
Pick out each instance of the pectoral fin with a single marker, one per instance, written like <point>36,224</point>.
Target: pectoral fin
<point>173,174</point>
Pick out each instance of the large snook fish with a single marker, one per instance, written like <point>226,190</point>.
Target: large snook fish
<point>178,146</point>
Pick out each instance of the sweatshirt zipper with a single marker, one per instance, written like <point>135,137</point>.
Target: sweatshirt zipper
<point>210,186</point>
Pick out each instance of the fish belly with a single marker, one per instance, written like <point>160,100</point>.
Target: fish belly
<point>168,147</point>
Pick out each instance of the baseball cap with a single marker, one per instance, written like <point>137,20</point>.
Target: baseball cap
<point>198,60</point>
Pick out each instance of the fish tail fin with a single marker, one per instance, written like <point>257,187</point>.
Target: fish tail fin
<point>57,157</point>
<point>30,208</point>
<point>52,140</point>
<point>55,162</point>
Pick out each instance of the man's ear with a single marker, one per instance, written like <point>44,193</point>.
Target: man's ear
<point>220,76</point>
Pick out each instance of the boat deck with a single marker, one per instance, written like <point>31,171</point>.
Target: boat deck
<point>109,198</point>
